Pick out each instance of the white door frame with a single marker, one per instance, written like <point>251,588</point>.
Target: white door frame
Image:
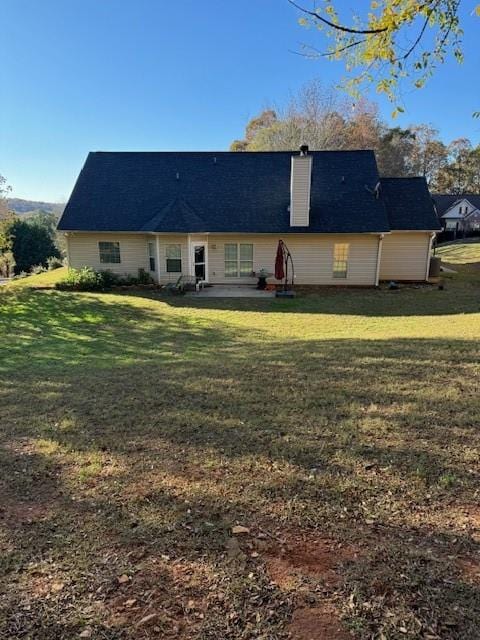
<point>197,243</point>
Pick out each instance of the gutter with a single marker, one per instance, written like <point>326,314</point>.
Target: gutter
<point>379,258</point>
<point>427,268</point>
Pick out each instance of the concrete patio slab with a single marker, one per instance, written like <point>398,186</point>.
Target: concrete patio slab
<point>232,291</point>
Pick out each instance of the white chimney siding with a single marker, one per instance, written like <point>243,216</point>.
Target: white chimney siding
<point>300,179</point>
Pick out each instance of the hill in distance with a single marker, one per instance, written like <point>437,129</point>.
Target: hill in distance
<point>30,207</point>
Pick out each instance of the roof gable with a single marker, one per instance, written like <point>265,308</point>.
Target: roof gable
<point>409,204</point>
<point>454,210</point>
<point>445,201</point>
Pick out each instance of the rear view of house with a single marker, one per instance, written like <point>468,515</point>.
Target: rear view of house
<point>219,216</point>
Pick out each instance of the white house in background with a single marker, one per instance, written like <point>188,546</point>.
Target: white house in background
<point>459,213</point>
<point>218,217</point>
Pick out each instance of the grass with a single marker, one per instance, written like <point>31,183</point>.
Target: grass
<point>460,252</point>
<point>40,280</point>
<point>340,428</point>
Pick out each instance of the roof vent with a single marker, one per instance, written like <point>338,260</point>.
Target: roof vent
<point>304,150</point>
<point>177,176</point>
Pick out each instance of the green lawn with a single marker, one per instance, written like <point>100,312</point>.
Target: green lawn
<point>46,279</point>
<point>340,428</point>
<point>460,253</point>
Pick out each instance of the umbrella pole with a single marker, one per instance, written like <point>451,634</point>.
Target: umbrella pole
<point>285,254</point>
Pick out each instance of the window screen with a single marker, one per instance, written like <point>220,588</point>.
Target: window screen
<point>340,260</point>
<point>109,252</point>
<point>174,258</point>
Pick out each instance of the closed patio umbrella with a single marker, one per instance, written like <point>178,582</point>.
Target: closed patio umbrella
<point>279,260</point>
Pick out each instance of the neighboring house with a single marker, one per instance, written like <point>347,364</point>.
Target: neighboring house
<point>219,215</point>
<point>458,213</point>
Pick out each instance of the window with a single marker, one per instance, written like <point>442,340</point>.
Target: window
<point>231,260</point>
<point>340,260</point>
<point>109,252</point>
<point>174,258</point>
<point>238,260</point>
<point>151,256</point>
<point>246,260</point>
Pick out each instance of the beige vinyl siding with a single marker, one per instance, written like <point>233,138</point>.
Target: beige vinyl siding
<point>301,172</point>
<point>312,256</point>
<point>165,240</point>
<point>83,251</point>
<point>404,256</point>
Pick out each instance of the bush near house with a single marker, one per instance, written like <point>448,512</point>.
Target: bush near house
<point>84,279</point>
<point>54,262</point>
<point>87,279</point>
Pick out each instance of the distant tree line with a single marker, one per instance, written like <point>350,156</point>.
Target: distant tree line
<point>25,242</point>
<point>324,120</point>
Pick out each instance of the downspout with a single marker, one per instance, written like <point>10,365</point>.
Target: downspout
<point>427,267</point>
<point>157,247</point>
<point>379,258</point>
<point>190,257</point>
<point>67,248</point>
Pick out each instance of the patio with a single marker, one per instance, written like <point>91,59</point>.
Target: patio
<point>231,291</point>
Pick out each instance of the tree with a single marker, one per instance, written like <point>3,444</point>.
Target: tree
<point>7,264</point>
<point>30,244</point>
<point>265,120</point>
<point>396,39</point>
<point>429,155</point>
<point>394,152</point>
<point>363,128</point>
<point>462,173</point>
<point>317,117</point>
<point>7,260</point>
<point>4,191</point>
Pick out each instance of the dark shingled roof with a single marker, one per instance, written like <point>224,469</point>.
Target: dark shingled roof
<point>409,204</point>
<point>444,201</point>
<point>245,192</point>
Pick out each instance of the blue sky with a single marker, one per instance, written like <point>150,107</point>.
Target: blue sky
<point>81,75</point>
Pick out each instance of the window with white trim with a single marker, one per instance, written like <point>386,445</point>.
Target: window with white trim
<point>109,252</point>
<point>340,260</point>
<point>238,260</point>
<point>151,256</point>
<point>174,258</point>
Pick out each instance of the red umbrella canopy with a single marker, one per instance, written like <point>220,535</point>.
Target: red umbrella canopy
<point>279,260</point>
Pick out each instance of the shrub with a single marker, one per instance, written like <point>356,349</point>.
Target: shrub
<point>87,279</point>
<point>128,281</point>
<point>37,268</point>
<point>54,263</point>
<point>109,279</point>
<point>84,279</point>
<point>144,277</point>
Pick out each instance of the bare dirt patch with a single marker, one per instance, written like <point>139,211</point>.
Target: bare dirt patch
<point>309,557</point>
<point>311,564</point>
<point>161,598</point>
<point>470,569</point>
<point>318,623</point>
<point>21,513</point>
